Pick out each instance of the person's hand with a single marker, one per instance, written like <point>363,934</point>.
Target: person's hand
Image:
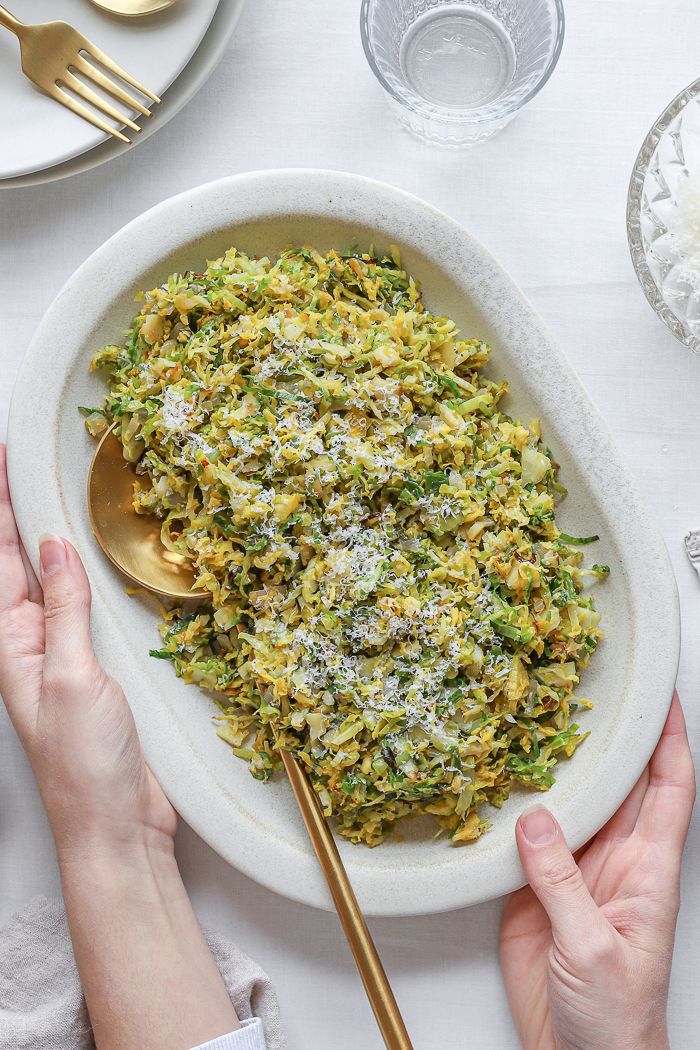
<point>72,719</point>
<point>149,979</point>
<point>586,948</point>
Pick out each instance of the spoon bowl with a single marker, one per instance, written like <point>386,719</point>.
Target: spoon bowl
<point>132,541</point>
<point>133,8</point>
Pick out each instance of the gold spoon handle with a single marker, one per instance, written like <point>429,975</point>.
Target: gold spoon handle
<point>361,944</point>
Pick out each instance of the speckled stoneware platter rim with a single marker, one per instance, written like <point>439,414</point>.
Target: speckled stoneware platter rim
<point>255,826</point>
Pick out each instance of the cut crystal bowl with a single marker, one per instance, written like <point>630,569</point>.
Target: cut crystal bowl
<point>670,154</point>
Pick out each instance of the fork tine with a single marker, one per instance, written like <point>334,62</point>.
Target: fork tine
<point>67,100</point>
<point>94,52</point>
<point>76,85</point>
<point>94,74</point>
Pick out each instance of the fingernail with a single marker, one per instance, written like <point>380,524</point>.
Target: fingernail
<point>52,553</point>
<point>538,826</point>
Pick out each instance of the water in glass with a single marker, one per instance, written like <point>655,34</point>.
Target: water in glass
<point>458,70</point>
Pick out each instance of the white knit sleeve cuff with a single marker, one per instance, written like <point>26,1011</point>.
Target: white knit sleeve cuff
<point>250,1036</point>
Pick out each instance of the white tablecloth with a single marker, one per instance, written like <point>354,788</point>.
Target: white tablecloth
<point>548,198</point>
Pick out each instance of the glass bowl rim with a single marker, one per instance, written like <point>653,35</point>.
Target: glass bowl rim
<point>479,116</point>
<point>635,194</point>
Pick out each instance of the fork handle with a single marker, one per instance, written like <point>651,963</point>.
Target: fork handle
<point>10,22</point>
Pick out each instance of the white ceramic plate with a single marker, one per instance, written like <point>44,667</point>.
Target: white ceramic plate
<point>256,826</point>
<point>154,49</point>
<point>193,77</point>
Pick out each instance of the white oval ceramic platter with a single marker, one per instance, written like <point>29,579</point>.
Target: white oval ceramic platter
<point>255,826</point>
<point>154,49</point>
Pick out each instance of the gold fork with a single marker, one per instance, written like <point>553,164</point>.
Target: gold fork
<point>53,54</point>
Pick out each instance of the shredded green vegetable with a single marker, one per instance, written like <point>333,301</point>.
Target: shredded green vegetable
<point>391,598</point>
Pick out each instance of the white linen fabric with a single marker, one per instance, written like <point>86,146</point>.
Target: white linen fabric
<point>42,1005</point>
<point>547,197</point>
<point>250,1036</point>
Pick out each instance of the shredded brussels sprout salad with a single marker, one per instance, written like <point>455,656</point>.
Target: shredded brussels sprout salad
<point>391,598</point>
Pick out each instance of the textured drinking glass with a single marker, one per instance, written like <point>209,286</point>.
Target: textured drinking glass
<point>456,71</point>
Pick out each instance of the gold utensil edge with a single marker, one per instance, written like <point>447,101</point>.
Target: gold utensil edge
<point>369,965</point>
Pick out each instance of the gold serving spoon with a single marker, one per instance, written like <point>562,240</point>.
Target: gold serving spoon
<point>132,542</point>
<point>133,8</point>
<point>369,965</point>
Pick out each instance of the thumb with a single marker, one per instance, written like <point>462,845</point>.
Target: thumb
<point>66,607</point>
<point>556,880</point>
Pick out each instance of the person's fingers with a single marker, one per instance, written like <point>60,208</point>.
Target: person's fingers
<point>21,630</point>
<point>671,764</point>
<point>622,824</point>
<point>557,881</point>
<point>34,591</point>
<point>14,588</point>
<point>664,817</point>
<point>66,610</point>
